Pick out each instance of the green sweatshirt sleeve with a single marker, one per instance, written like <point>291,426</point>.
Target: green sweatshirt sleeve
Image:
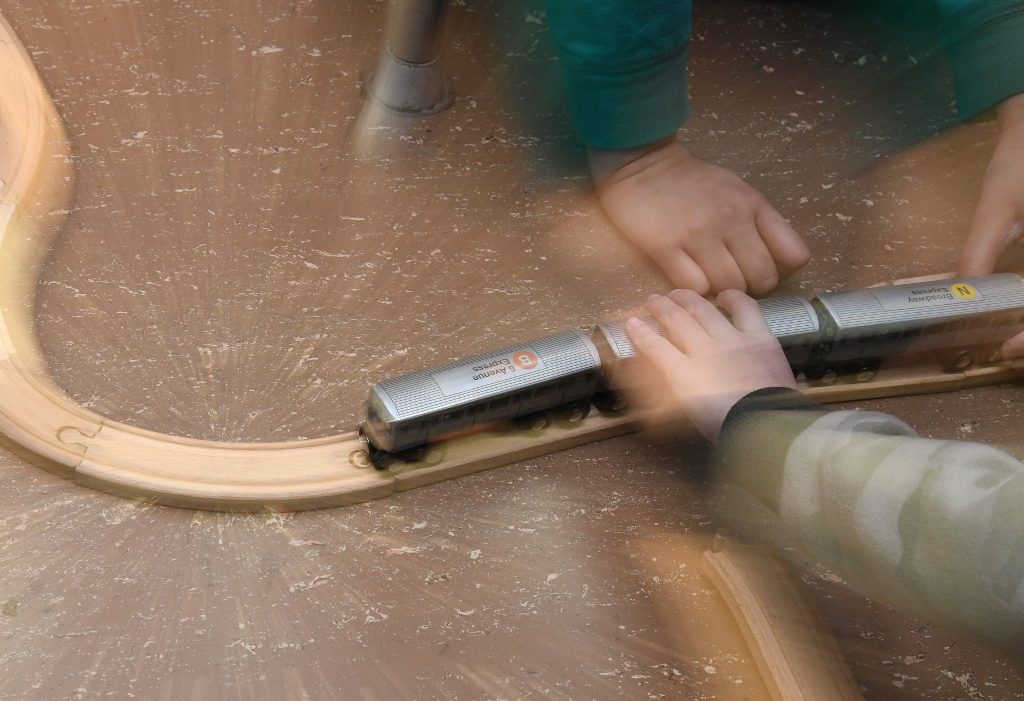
<point>625,62</point>
<point>934,527</point>
<point>984,40</point>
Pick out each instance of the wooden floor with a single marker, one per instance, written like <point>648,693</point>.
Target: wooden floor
<point>244,256</point>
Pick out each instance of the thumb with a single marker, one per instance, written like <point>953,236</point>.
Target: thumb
<point>991,232</point>
<point>1013,348</point>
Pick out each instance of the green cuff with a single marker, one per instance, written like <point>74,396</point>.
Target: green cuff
<point>630,109</point>
<point>988,64</point>
<point>756,436</point>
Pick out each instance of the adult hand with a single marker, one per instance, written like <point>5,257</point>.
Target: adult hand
<point>999,217</point>
<point>710,362</point>
<point>705,227</point>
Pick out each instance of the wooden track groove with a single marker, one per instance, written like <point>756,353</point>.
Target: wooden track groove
<point>796,654</point>
<point>115,457</point>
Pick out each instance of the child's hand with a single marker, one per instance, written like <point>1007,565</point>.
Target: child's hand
<point>705,227</point>
<point>999,218</point>
<point>709,362</point>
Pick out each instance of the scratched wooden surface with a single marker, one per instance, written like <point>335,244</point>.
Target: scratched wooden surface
<point>244,255</point>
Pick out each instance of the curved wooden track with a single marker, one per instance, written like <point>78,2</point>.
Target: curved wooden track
<point>115,457</point>
<point>92,450</point>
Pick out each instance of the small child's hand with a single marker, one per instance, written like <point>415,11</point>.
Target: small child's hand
<point>999,217</point>
<point>709,362</point>
<point>705,227</point>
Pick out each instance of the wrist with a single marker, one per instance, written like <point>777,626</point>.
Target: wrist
<point>768,398</point>
<point>1010,115</point>
<point>604,163</point>
<point>755,441</point>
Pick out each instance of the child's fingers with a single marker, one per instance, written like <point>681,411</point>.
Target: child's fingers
<point>680,327</point>
<point>707,314</point>
<point>1013,348</point>
<point>787,248</point>
<point>683,270</point>
<point>721,268</point>
<point>755,262</point>
<point>989,236</point>
<point>653,346</point>
<point>744,311</point>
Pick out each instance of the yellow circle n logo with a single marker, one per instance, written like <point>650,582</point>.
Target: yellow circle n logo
<point>964,290</point>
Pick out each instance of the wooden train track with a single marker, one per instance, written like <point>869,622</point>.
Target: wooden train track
<point>794,651</point>
<point>115,457</point>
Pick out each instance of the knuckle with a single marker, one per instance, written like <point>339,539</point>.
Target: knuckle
<point>731,283</point>
<point>764,283</point>
<point>700,288</point>
<point>691,282</point>
<point>727,211</point>
<point>684,294</point>
<point>688,299</point>
<point>699,227</point>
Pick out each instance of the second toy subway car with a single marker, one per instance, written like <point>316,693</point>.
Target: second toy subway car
<point>834,333</point>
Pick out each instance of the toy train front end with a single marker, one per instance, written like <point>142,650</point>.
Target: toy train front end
<point>422,407</point>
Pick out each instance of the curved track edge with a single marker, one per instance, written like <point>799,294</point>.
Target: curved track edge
<point>35,188</point>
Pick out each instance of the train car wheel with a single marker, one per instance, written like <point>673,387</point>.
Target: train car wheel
<point>380,459</point>
<point>609,402</point>
<point>821,375</point>
<point>370,454</point>
<point>434,454</point>
<point>959,360</point>
<point>535,422</point>
<point>865,372</point>
<point>574,413</point>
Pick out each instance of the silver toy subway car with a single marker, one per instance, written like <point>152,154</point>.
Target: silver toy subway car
<point>954,314</point>
<point>430,405</point>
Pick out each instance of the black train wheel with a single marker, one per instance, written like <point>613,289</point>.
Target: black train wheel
<point>380,459</point>
<point>609,402</point>
<point>573,413</point>
<point>821,375</point>
<point>536,421</point>
<point>864,372</point>
<point>957,360</point>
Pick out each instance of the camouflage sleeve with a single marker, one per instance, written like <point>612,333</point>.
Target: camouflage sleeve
<point>935,527</point>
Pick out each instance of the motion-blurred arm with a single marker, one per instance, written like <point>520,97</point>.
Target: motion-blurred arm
<point>984,40</point>
<point>999,217</point>
<point>935,527</point>
<point>625,64</point>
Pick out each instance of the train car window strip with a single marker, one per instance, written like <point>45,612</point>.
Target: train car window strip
<point>413,402</point>
<point>499,403</point>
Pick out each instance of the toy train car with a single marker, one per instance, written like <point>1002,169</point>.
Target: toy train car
<point>838,333</point>
<point>426,406</point>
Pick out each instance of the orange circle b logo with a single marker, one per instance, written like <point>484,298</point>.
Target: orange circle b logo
<point>526,360</point>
